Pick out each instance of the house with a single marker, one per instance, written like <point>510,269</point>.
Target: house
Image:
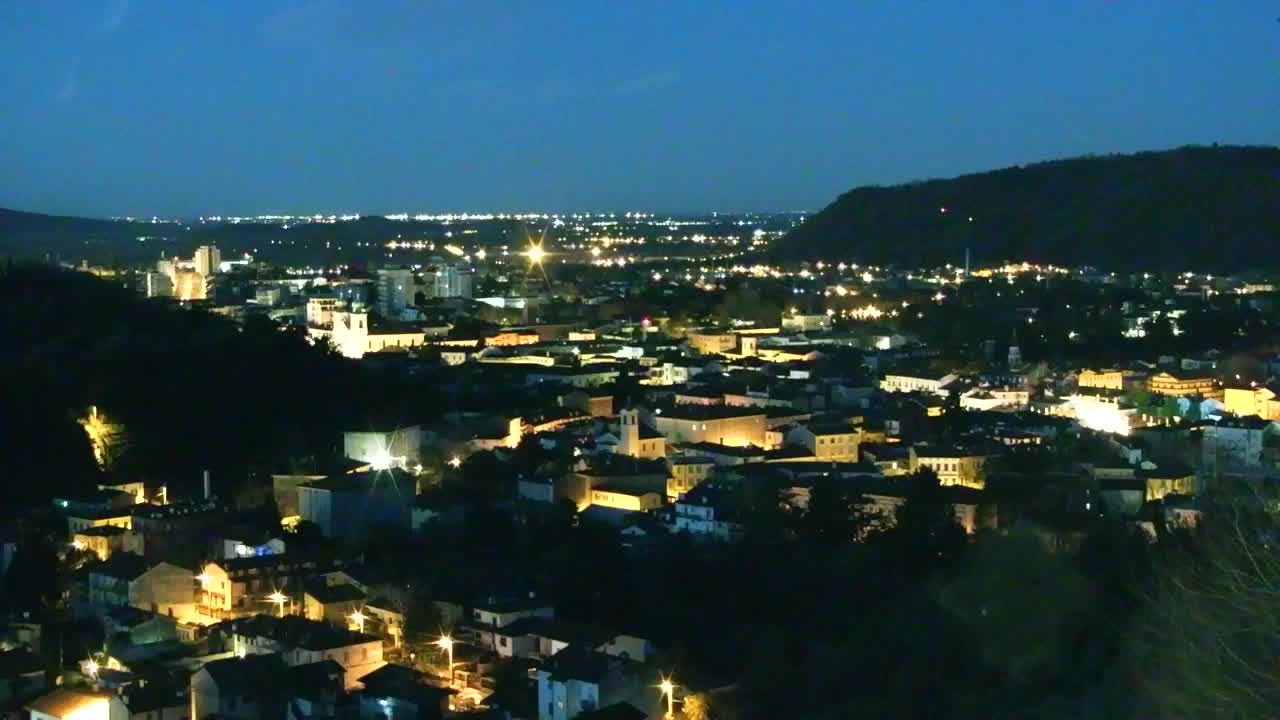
<point>1260,400</point>
<point>577,680</point>
<point>400,693</point>
<point>382,449</point>
<point>952,465</point>
<point>541,638</point>
<point>63,704</point>
<point>316,689</point>
<point>494,613</point>
<point>300,641</point>
<point>348,506</point>
<point>239,586</point>
<point>240,688</point>
<point>710,510</point>
<point>686,472</point>
<point>157,696</point>
<point>624,498</point>
<point>586,376</point>
<point>719,424</point>
<point>126,579</point>
<point>21,676</point>
<point>638,440</point>
<point>1184,384</point>
<point>103,540</point>
<point>334,604</point>
<point>932,383</point>
<point>827,441</point>
<point>1235,445</point>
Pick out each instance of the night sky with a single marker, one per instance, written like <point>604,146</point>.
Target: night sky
<point>230,106</point>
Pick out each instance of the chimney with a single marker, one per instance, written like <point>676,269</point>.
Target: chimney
<point>206,484</point>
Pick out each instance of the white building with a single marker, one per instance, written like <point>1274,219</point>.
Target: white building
<point>400,448</point>
<point>449,281</point>
<point>795,322</point>
<point>320,311</point>
<point>917,383</point>
<point>395,291</point>
<point>159,284</point>
<point>208,260</point>
<point>1103,414</point>
<point>352,337</point>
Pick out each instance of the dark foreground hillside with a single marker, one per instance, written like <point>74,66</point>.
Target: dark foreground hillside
<point>1192,208</point>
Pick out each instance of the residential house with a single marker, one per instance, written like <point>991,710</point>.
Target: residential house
<point>1184,384</point>
<point>300,641</point>
<point>350,506</point>
<point>710,510</point>
<point>578,680</point>
<point>687,471</point>
<point>240,586</point>
<point>127,579</point>
<point>334,604</point>
<point>952,465</point>
<point>935,384</point>
<point>624,498</point>
<point>104,540</point>
<point>1260,400</point>
<point>396,692</point>
<point>827,441</point>
<point>722,425</point>
<point>494,613</point>
<point>247,687</point>
<point>63,704</point>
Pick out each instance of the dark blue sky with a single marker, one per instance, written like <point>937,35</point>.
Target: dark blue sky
<point>246,106</point>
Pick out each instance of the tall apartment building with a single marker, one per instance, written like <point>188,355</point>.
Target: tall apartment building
<point>449,281</point>
<point>207,260</point>
<point>395,291</point>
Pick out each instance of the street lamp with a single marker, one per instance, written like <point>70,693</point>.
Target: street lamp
<point>668,689</point>
<point>455,462</point>
<point>279,599</point>
<point>91,667</point>
<point>535,253</point>
<point>358,618</point>
<point>446,643</point>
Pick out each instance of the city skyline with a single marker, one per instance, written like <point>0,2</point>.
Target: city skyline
<point>133,108</point>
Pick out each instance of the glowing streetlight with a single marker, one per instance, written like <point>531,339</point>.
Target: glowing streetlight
<point>77,545</point>
<point>279,599</point>
<point>668,689</point>
<point>446,643</point>
<point>535,253</point>
<point>358,618</point>
<point>91,667</point>
<point>455,462</point>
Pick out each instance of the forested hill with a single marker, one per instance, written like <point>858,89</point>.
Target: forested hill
<point>1190,208</point>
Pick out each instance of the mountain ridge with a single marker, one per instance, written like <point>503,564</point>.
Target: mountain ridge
<point>1211,207</point>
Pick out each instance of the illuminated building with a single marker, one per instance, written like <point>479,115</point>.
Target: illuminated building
<point>353,338</point>
<point>721,425</point>
<point>63,704</point>
<point>624,498</point>
<point>1183,385</point>
<point>207,260</point>
<point>395,291</point>
<point>449,281</point>
<point>1261,400</point>
<point>830,442</point>
<point>953,466</point>
<point>917,383</point>
<point>1103,379</point>
<point>400,447</point>
<point>1102,413</point>
<point>796,322</point>
<point>105,540</point>
<point>320,311</point>
<point>638,440</point>
<point>687,472</point>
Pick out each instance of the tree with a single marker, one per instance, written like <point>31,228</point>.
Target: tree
<point>925,535</point>
<point>1016,598</point>
<point>695,707</point>
<point>834,515</point>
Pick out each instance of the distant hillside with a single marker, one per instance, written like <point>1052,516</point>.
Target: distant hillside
<point>1194,207</point>
<point>32,235</point>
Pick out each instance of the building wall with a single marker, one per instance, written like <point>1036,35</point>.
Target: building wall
<point>1101,379</point>
<point>1166,384</point>
<point>712,343</point>
<point>165,589</point>
<point>735,431</point>
<point>906,383</point>
<point>626,501</point>
<point>1252,401</point>
<point>968,471</point>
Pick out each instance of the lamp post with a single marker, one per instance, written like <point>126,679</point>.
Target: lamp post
<point>358,618</point>
<point>668,689</point>
<point>279,599</point>
<point>446,643</point>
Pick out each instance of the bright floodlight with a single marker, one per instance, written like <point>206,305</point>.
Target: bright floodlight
<point>92,668</point>
<point>455,462</point>
<point>667,687</point>
<point>535,254</point>
<point>381,460</point>
<point>445,642</point>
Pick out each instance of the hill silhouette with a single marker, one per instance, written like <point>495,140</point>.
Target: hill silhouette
<point>1211,208</point>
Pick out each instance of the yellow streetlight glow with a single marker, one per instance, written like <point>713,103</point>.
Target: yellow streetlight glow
<point>358,618</point>
<point>92,668</point>
<point>535,253</point>
<point>446,643</point>
<point>455,462</point>
<point>279,599</point>
<point>669,689</point>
